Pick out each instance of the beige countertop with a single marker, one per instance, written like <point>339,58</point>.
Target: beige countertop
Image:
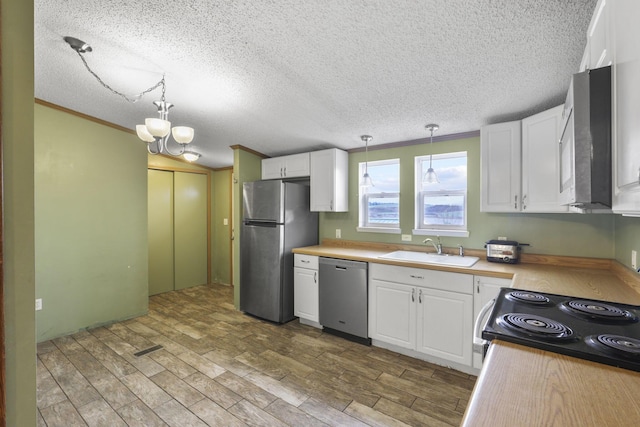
<point>524,386</point>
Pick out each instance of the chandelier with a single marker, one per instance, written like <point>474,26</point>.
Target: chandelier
<point>155,131</point>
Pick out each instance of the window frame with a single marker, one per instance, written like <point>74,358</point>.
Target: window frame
<point>365,194</point>
<point>420,228</point>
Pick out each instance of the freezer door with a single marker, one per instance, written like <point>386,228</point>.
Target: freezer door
<point>263,200</point>
<point>261,270</point>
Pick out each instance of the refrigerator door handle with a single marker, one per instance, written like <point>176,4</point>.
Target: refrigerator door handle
<point>252,223</point>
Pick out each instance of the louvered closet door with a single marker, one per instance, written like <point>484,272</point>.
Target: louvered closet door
<point>160,224</point>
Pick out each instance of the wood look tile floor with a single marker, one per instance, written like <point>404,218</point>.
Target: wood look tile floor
<point>219,367</point>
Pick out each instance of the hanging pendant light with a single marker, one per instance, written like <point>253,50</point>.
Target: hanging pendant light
<point>431,177</point>
<point>366,179</point>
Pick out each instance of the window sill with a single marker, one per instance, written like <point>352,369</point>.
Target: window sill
<point>379,230</point>
<point>442,233</point>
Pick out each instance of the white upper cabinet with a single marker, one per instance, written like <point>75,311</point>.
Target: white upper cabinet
<point>292,166</point>
<point>520,165</point>
<point>598,37</point>
<point>329,180</point>
<point>500,146</point>
<point>541,162</point>
<point>625,34</point>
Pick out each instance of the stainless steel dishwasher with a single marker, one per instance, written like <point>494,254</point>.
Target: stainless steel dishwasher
<point>343,298</point>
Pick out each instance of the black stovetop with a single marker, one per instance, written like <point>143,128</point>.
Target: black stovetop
<point>599,331</point>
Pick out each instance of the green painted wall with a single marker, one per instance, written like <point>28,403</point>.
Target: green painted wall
<point>18,235</point>
<point>90,222</point>
<point>246,167</point>
<point>221,243</point>
<point>557,234</point>
<point>627,238</point>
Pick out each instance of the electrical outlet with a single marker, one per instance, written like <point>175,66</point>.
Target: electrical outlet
<point>502,238</point>
<point>406,237</point>
<point>38,304</point>
<point>225,221</point>
<point>634,260</point>
<point>338,233</point>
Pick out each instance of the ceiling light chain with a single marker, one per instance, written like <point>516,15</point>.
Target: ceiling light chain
<point>80,49</point>
<point>155,131</point>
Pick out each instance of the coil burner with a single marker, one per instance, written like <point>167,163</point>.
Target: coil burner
<point>616,345</point>
<point>528,297</point>
<point>536,326</point>
<point>598,311</point>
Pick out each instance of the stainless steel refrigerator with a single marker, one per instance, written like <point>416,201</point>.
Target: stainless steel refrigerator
<point>276,219</point>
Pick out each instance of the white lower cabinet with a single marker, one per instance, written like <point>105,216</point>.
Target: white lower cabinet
<point>445,325</point>
<point>426,311</point>
<point>305,289</point>
<point>392,313</point>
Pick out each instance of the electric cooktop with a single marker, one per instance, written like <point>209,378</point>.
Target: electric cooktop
<point>599,331</point>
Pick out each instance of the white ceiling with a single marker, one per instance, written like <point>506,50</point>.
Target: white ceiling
<point>286,76</point>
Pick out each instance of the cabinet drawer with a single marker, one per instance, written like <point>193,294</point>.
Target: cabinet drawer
<point>434,279</point>
<point>305,261</point>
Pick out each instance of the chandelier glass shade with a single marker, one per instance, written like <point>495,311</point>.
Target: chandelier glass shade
<point>155,132</point>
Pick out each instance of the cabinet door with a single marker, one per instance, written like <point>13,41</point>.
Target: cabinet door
<point>392,313</point>
<point>305,293</point>
<point>500,167</point>
<point>540,162</point>
<point>626,105</point>
<point>272,168</point>
<point>445,325</point>
<point>329,180</point>
<point>598,37</point>
<point>296,165</point>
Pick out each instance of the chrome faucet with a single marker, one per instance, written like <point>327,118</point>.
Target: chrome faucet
<point>437,247</point>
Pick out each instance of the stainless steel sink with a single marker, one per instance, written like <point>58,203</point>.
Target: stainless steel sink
<point>428,258</point>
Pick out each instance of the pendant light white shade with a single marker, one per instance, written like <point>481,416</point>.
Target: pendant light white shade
<point>158,127</point>
<point>431,177</point>
<point>144,134</point>
<point>366,178</point>
<point>182,134</point>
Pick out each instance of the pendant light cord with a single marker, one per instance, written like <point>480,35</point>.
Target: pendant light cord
<point>106,86</point>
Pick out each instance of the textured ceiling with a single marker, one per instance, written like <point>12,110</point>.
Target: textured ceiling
<point>285,76</point>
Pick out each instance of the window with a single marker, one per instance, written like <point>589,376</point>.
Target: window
<point>380,204</point>
<point>441,207</point>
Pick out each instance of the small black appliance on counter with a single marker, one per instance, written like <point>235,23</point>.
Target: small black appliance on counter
<point>600,331</point>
